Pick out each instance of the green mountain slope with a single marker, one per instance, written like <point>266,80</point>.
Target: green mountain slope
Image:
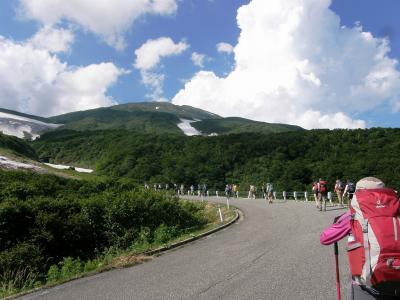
<point>110,118</point>
<point>184,112</point>
<point>15,146</point>
<point>155,117</point>
<point>240,125</point>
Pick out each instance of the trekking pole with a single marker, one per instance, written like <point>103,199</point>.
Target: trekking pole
<point>337,271</point>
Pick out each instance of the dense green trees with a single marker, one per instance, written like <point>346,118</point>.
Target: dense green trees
<point>44,219</point>
<point>16,146</point>
<point>291,160</point>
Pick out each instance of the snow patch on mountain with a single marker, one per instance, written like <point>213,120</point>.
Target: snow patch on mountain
<point>23,127</point>
<point>64,167</point>
<point>6,163</point>
<point>187,128</point>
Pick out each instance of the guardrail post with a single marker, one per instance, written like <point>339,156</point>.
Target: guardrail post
<point>208,193</point>
<point>216,194</point>
<point>237,194</point>
<point>220,215</point>
<point>306,196</point>
<point>284,195</point>
<point>274,193</point>
<point>295,195</point>
<point>330,197</point>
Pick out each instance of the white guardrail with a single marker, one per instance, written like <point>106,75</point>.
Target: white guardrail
<point>284,195</point>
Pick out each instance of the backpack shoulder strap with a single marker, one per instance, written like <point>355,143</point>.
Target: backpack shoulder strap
<point>367,267</point>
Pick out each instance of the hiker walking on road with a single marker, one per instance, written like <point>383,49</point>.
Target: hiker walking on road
<point>270,191</point>
<point>252,192</point>
<point>228,190</point>
<point>204,190</point>
<point>235,191</point>
<point>372,246</point>
<point>339,190</point>
<point>192,190</point>
<point>322,194</point>
<point>264,190</point>
<point>349,189</point>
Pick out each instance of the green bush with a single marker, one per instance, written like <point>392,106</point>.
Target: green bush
<point>164,233</point>
<point>53,274</point>
<point>70,267</point>
<point>56,228</point>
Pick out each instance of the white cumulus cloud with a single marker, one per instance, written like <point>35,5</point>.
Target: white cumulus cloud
<point>224,48</point>
<point>295,63</point>
<point>35,81</point>
<point>149,56</point>
<point>108,19</point>
<point>53,39</point>
<point>150,53</point>
<point>198,59</point>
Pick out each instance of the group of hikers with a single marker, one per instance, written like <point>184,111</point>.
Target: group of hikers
<point>180,189</point>
<point>231,190</point>
<point>267,191</point>
<point>342,188</point>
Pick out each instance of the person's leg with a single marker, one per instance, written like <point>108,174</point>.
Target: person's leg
<point>324,199</point>
<point>320,201</point>
<point>341,198</point>
<point>316,200</point>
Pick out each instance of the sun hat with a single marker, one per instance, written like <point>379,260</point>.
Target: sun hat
<point>370,183</point>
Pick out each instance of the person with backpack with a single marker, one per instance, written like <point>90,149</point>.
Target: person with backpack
<point>322,193</point>
<point>235,191</point>
<point>264,190</point>
<point>372,225</point>
<point>252,192</point>
<point>349,190</point>
<point>269,190</point>
<point>192,190</point>
<point>228,190</point>
<point>339,190</point>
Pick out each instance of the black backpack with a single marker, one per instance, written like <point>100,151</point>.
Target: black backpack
<point>341,185</point>
<point>351,188</point>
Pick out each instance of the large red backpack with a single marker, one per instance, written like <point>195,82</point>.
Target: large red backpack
<point>374,253</point>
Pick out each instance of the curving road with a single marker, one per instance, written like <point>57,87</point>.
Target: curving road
<point>273,252</point>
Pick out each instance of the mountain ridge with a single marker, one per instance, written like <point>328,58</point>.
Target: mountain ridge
<point>142,117</point>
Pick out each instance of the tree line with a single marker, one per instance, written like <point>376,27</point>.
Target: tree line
<point>291,160</point>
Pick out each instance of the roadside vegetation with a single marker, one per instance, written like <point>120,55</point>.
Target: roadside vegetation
<point>15,146</point>
<point>53,229</point>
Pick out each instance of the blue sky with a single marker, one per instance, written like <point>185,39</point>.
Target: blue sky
<point>200,25</point>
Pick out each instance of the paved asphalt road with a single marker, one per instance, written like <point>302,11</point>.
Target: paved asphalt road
<point>273,252</point>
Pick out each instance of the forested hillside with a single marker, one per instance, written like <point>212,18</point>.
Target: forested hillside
<point>16,146</point>
<point>240,125</point>
<point>291,160</point>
